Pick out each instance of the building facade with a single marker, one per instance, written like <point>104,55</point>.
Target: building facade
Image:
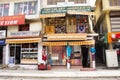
<point>107,25</point>
<point>22,32</point>
<point>62,31</point>
<point>68,32</point>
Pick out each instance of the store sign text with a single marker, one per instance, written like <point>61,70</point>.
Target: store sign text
<point>24,33</point>
<point>12,20</point>
<point>2,34</point>
<point>67,37</point>
<point>65,9</point>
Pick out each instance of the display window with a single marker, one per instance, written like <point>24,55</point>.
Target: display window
<point>57,55</point>
<point>74,24</point>
<point>24,53</point>
<point>56,25</point>
<point>76,56</point>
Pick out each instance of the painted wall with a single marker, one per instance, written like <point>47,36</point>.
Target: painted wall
<point>35,26</point>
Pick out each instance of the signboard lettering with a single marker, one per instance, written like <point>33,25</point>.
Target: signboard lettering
<point>12,20</point>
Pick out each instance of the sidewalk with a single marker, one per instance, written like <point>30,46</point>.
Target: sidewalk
<point>61,73</point>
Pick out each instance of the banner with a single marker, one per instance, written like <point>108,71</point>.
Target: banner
<point>12,20</point>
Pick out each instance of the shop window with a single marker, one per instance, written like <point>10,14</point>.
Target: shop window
<point>55,25</point>
<point>82,24</point>
<point>24,27</point>
<point>77,24</point>
<point>77,1</point>
<point>114,2</point>
<point>54,2</point>
<point>29,52</point>
<point>4,9</point>
<point>28,8</point>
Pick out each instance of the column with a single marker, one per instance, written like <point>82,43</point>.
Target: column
<point>39,52</point>
<point>6,54</point>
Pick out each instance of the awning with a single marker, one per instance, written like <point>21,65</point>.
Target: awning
<point>27,40</point>
<point>81,13</point>
<point>88,42</point>
<point>52,15</point>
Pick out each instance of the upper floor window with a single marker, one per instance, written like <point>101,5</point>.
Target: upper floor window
<point>28,8</point>
<point>4,9</point>
<point>24,27</point>
<point>54,2</point>
<point>78,1</point>
<point>114,2</point>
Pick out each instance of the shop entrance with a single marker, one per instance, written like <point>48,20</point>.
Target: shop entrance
<point>85,56</point>
<point>15,54</point>
<point>1,54</point>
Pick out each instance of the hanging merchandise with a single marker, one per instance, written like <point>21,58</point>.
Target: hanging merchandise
<point>92,50</point>
<point>81,28</point>
<point>69,49</point>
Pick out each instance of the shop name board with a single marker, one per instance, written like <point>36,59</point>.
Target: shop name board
<point>12,20</point>
<point>2,34</point>
<point>24,33</point>
<point>67,37</point>
<point>65,9</point>
<point>2,42</point>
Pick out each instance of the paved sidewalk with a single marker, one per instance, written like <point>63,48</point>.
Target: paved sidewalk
<point>63,73</point>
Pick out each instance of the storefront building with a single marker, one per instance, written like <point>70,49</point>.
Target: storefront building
<point>68,36</point>
<point>23,41</point>
<point>108,18</point>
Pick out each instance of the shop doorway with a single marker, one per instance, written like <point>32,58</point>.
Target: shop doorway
<point>1,55</point>
<point>85,56</point>
<point>15,52</point>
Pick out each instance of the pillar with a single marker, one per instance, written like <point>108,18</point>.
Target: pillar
<point>39,52</point>
<point>6,54</point>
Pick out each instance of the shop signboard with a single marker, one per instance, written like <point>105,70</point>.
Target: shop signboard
<point>67,36</point>
<point>2,34</point>
<point>53,10</point>
<point>12,20</point>
<point>2,42</point>
<point>65,9</point>
<point>24,33</point>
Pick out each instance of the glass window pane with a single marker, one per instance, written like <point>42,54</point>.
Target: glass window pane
<point>26,8</point>
<point>6,9</point>
<point>1,9</point>
<point>32,8</point>
<point>18,8</point>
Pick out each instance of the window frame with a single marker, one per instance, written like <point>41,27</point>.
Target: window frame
<point>3,8</point>
<point>25,8</point>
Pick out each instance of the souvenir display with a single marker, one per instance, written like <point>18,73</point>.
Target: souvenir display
<point>60,29</point>
<point>50,29</point>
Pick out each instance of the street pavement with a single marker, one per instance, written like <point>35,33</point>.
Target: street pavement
<point>60,74</point>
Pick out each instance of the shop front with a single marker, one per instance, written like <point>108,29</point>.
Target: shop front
<point>62,49</point>
<point>23,51</point>
<point>68,37</point>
